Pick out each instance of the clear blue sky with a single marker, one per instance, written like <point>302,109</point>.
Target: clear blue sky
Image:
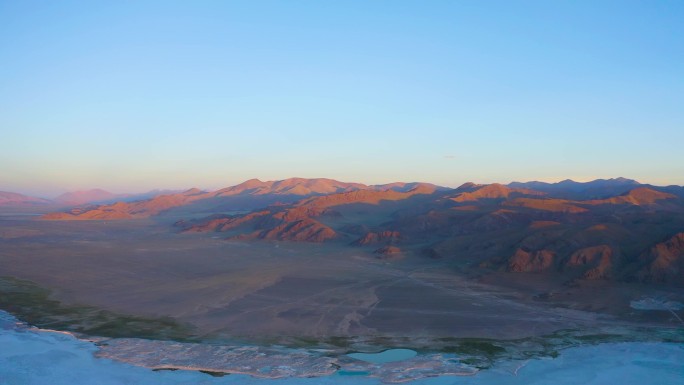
<point>135,95</point>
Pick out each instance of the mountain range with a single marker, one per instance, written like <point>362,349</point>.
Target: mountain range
<point>247,195</point>
<point>612,229</point>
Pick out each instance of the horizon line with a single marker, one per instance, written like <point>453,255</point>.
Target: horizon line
<point>162,190</point>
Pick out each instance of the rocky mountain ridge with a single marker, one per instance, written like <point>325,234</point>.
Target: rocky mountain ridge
<point>614,229</point>
<point>286,190</point>
<point>632,236</point>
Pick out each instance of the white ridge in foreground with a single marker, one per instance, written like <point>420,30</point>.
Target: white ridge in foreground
<point>31,356</point>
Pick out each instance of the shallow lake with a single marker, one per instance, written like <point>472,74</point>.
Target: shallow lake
<point>390,355</point>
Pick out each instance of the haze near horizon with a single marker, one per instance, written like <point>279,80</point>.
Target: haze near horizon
<point>137,96</point>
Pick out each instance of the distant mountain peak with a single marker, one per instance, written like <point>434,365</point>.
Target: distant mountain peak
<point>87,196</point>
<point>254,182</point>
<point>468,186</point>
<point>625,180</point>
<point>192,191</point>
<point>15,199</point>
<point>490,191</point>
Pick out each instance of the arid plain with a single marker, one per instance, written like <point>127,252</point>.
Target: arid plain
<point>372,277</point>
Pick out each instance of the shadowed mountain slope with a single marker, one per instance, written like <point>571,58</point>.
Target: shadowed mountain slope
<point>664,262</point>
<point>525,228</point>
<point>470,192</point>
<point>128,210</point>
<point>300,221</point>
<point>639,196</point>
<point>487,227</point>
<point>87,196</point>
<point>158,204</point>
<point>569,189</point>
<point>247,195</point>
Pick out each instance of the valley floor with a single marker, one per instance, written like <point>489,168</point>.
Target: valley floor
<point>285,292</point>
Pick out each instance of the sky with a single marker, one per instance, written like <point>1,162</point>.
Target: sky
<point>136,95</point>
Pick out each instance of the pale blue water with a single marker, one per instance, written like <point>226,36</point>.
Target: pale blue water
<point>391,355</point>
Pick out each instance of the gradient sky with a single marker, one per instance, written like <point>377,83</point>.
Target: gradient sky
<point>136,95</point>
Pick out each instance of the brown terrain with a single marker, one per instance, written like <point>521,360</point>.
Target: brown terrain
<point>287,190</point>
<point>318,257</point>
<point>534,231</point>
<point>128,210</point>
<point>74,198</point>
<point>301,221</point>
